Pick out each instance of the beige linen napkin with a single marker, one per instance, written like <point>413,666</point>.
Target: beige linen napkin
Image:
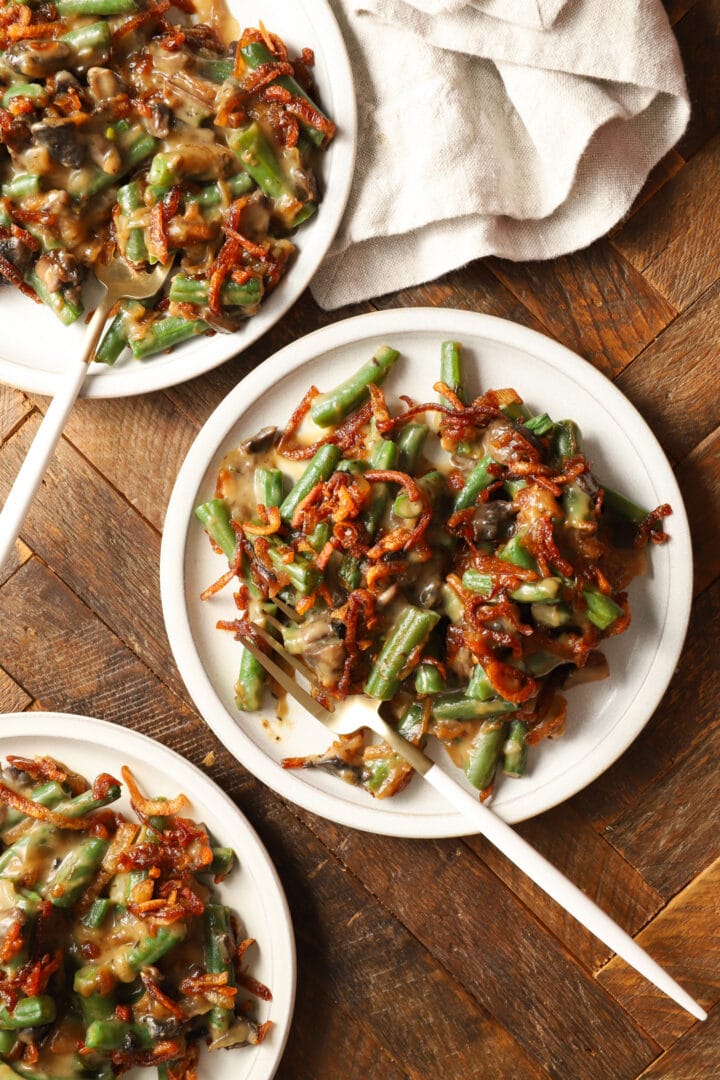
<point>481,134</point>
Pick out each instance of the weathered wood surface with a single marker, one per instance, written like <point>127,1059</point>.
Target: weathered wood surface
<point>437,960</point>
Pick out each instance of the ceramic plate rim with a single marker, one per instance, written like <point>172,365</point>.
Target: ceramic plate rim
<point>77,727</point>
<point>215,431</point>
<point>144,377</point>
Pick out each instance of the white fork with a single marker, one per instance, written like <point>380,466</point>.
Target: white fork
<point>359,712</point>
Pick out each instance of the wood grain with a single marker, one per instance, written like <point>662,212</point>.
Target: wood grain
<point>670,240</point>
<point>693,959</point>
<point>698,34</point>
<point>14,407</point>
<point>694,1057</point>
<point>571,844</point>
<point>674,381</point>
<point>593,301</point>
<point>699,479</point>
<point>19,555</point>
<point>12,697</point>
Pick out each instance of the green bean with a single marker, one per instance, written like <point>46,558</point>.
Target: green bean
<point>250,685</point>
<point>7,1042</point>
<point>268,486</point>
<point>457,706</point>
<point>329,409</point>
<point>94,7</point>
<point>28,1012</point>
<point>350,573</point>
<point>34,91</point>
<point>513,486</point>
<point>428,679</point>
<point>113,1035</point>
<point>222,863</point>
<point>383,455</point>
<point>479,686</point>
<point>64,887</point>
<point>515,750</point>
<point>601,609</point>
<point>218,942</point>
<point>259,159</point>
<point>566,440</point>
<point>410,444</point>
<point>114,341</point>
<point>516,411</point>
<point>539,425</point>
<point>93,978</point>
<point>256,53</point>
<point>321,468</point>
<point>320,535</point>
<point>577,506</point>
<point>49,794</point>
<point>214,70</point>
<point>621,506</point>
<point>451,604</point>
<point>303,574</point>
<point>451,370</point>
<point>515,552</point>
<point>215,518</point>
<point>479,478</point>
<point>97,914</point>
<point>408,634</point>
<point>130,199</point>
<point>528,592</point>
<point>484,754</point>
<point>165,333</point>
<point>212,194</point>
<point>140,148</point>
<point>66,310</point>
<point>431,485</point>
<point>188,290</point>
<point>89,39</point>
<point>21,185</point>
<point>97,1008</point>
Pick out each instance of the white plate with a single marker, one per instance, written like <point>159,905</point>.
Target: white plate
<point>604,717</point>
<point>253,890</point>
<point>35,346</point>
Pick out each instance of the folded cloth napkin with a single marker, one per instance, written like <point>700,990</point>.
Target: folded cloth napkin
<point>519,128</point>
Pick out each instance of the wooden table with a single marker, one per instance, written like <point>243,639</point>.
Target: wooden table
<point>436,960</point>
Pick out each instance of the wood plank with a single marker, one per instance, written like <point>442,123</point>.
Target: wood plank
<point>198,398</point>
<point>19,555</point>
<point>592,301</point>
<point>14,408</point>
<point>677,8</point>
<point>12,697</point>
<point>137,443</point>
<point>670,835</point>
<point>699,479</point>
<point>674,381</point>
<point>694,696</point>
<point>571,844</point>
<point>671,240</point>
<point>698,35</point>
<point>666,168</point>
<point>486,940</point>
<point>694,1057</point>
<point>685,939</point>
<point>99,544</point>
<point>471,288</point>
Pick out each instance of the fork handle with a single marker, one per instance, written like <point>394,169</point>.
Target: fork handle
<point>38,456</point>
<point>557,886</point>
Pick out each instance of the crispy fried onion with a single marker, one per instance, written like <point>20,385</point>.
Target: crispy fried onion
<point>214,988</point>
<point>400,538</point>
<point>156,994</point>
<point>44,813</point>
<point>146,808</point>
<point>47,768</point>
<point>650,529</point>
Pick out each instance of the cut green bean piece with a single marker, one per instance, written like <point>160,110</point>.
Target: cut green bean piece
<point>29,1012</point>
<point>410,444</point>
<point>21,185</point>
<point>451,370</point>
<point>382,456</point>
<point>540,424</point>
<point>222,863</point>
<point>114,341</point>
<point>407,636</point>
<point>528,592</point>
<point>321,468</point>
<point>515,749</point>
<point>34,91</point>
<point>479,478</point>
<point>259,159</point>
<point>515,552</point>
<point>215,70</point>
<point>65,885</point>
<point>114,1034</point>
<point>218,941</point>
<point>329,409</point>
<point>431,485</point>
<point>601,609</point>
<point>566,440</point>
<point>256,53</point>
<point>303,574</point>
<point>212,194</point>
<point>187,290</point>
<point>130,199</point>
<point>551,615</point>
<point>350,573</point>
<point>215,518</point>
<point>97,914</point>
<point>250,685</point>
<point>479,686</point>
<point>66,310</point>
<point>484,754</point>
<point>49,794</point>
<point>622,507</point>
<point>457,706</point>
<point>94,7</point>
<point>165,333</point>
<point>268,486</point>
<point>428,679</point>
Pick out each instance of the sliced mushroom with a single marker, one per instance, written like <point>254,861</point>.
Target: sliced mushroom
<point>261,441</point>
<point>319,643</point>
<point>494,520</point>
<point>103,84</point>
<point>36,59</point>
<point>105,154</point>
<point>60,136</point>
<point>504,443</point>
<point>16,253</point>
<point>60,270</point>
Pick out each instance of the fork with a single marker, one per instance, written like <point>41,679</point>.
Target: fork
<point>120,282</point>
<point>361,711</point>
